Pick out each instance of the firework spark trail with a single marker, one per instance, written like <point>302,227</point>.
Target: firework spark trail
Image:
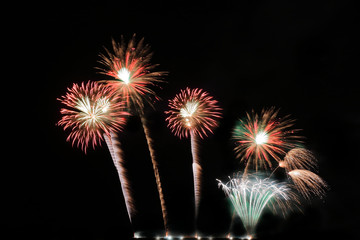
<point>251,194</point>
<point>299,158</point>
<point>261,138</point>
<point>117,157</point>
<point>156,173</point>
<point>307,183</point>
<point>197,171</point>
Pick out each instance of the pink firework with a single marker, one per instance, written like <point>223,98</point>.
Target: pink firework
<point>132,73</point>
<point>193,113</point>
<point>193,110</point>
<point>261,138</point>
<point>91,111</point>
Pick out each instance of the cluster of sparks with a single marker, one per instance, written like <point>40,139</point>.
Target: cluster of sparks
<point>132,74</point>
<point>95,111</point>
<point>193,110</point>
<point>91,111</point>
<point>251,194</point>
<point>262,138</point>
<point>299,164</point>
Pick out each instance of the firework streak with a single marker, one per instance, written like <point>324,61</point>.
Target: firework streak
<point>156,173</point>
<point>197,171</point>
<point>117,157</point>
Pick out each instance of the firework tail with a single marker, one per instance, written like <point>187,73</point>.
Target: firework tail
<point>231,223</point>
<point>156,172</point>
<point>116,155</point>
<point>197,171</point>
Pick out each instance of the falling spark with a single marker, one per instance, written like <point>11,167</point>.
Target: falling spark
<point>261,138</point>
<point>308,183</point>
<point>91,111</point>
<point>193,113</point>
<point>132,73</point>
<point>251,194</point>
<point>299,158</point>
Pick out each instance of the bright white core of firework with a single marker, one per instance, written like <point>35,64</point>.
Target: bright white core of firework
<point>189,109</point>
<point>124,75</point>
<point>261,138</point>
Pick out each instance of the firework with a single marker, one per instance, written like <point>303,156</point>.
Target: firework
<point>91,111</point>
<point>132,74</point>
<point>251,194</point>
<point>308,183</point>
<point>94,113</point>
<point>132,77</point>
<point>193,113</point>
<point>299,158</point>
<point>261,138</point>
<point>193,110</point>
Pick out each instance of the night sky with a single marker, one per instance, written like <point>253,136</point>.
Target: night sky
<point>298,56</point>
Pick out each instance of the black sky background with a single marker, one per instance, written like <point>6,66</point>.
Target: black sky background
<point>298,56</point>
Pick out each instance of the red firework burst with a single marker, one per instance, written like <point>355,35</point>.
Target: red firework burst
<point>193,110</point>
<point>260,138</point>
<point>92,110</point>
<point>129,65</point>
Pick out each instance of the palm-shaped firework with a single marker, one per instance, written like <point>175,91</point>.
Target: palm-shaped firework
<point>93,113</point>
<point>194,113</point>
<point>132,76</point>
<point>251,194</point>
<point>297,163</point>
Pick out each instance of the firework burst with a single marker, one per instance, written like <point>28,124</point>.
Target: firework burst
<point>91,111</point>
<point>308,183</point>
<point>299,158</point>
<point>251,194</point>
<point>132,73</point>
<point>193,110</point>
<point>260,138</point>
